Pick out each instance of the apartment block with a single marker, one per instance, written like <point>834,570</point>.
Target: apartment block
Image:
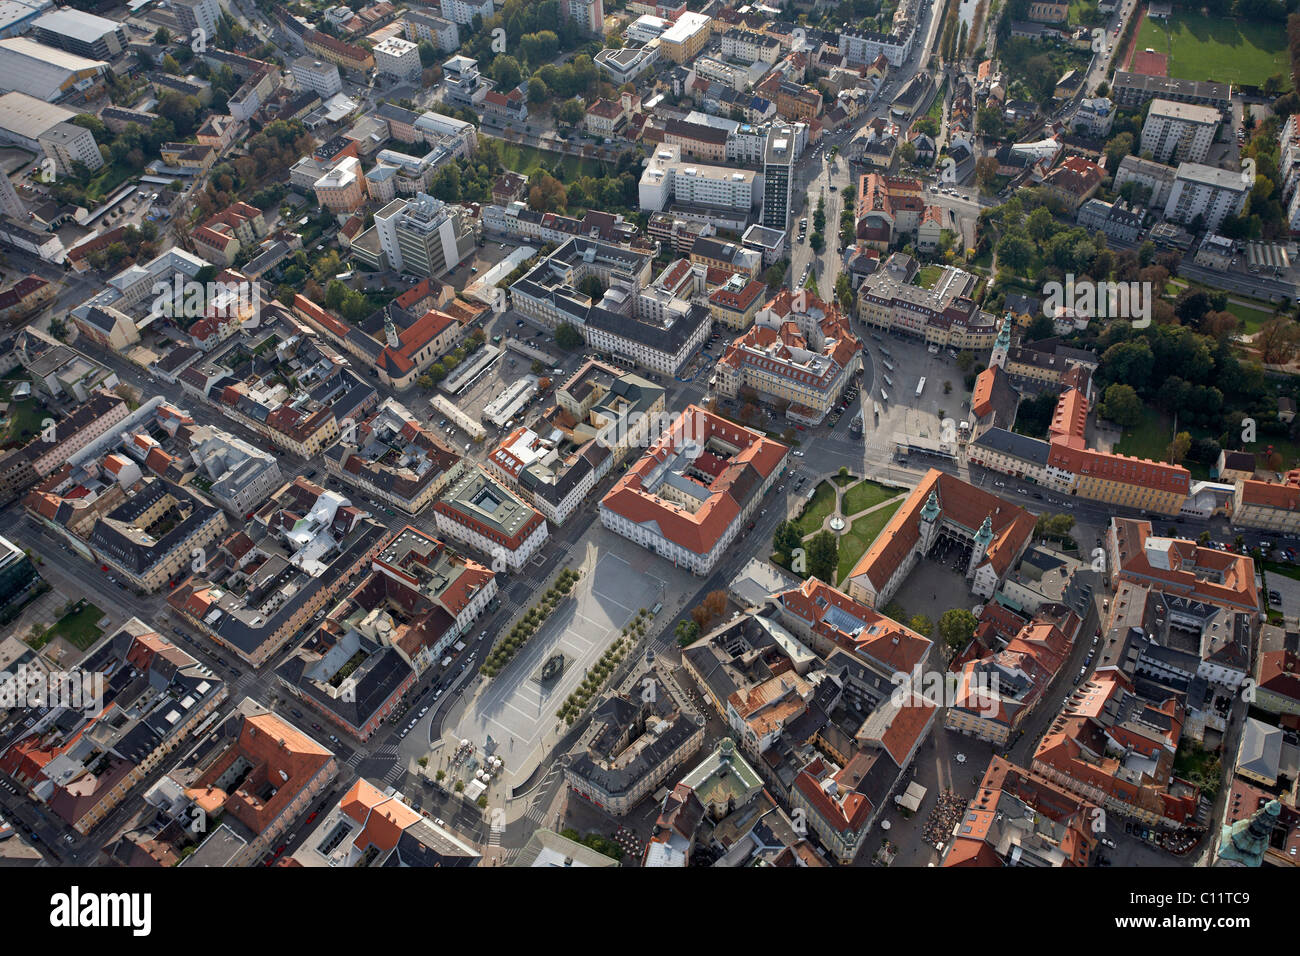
<point>1179,132</point>
<point>1206,195</point>
<point>320,76</point>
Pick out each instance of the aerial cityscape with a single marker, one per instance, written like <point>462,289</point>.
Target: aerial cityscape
<point>465,433</point>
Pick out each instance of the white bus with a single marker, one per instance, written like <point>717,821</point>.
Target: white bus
<point>920,387</point>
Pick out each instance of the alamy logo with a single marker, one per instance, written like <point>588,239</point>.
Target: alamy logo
<point>77,910</point>
<point>638,428</point>
<point>1100,300</point>
<point>34,688</point>
<point>978,692</point>
<point>186,298</point>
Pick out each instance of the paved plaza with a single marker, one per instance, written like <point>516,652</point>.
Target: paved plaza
<point>517,711</point>
<point>934,587</point>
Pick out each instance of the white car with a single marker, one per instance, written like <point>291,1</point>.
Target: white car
<point>798,454</point>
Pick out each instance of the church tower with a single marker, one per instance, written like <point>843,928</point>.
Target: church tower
<point>1244,843</point>
<point>930,522</point>
<point>390,333</point>
<point>980,546</point>
<point>1002,346</point>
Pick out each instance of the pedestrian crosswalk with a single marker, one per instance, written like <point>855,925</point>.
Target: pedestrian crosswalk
<point>393,773</point>
<point>354,761</point>
<point>387,750</point>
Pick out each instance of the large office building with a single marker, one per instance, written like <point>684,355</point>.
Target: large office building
<point>799,352</point>
<point>423,235</point>
<point>1179,132</point>
<point>778,177</point>
<point>478,510</point>
<point>464,11</point>
<point>82,33</point>
<point>1131,90</point>
<point>944,315</point>
<point>686,37</point>
<point>398,58</point>
<point>443,34</point>
<point>462,84</point>
<point>690,495</point>
<point>198,15</point>
<point>319,76</point>
<point>862,47</point>
<point>1153,181</point>
<point>666,178</point>
<point>650,327</point>
<point>589,15</point>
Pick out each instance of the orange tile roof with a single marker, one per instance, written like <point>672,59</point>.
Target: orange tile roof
<point>1107,466</point>
<point>904,731</point>
<point>882,639</point>
<point>697,532</point>
<point>1235,572</point>
<point>981,402</point>
<point>1271,494</point>
<point>958,501</point>
<point>1070,420</point>
<point>280,756</point>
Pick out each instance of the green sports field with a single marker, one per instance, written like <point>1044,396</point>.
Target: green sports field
<point>1210,48</point>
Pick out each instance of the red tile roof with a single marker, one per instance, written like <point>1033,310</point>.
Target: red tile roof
<point>883,639</point>
<point>1269,494</point>
<point>959,502</point>
<point>697,532</point>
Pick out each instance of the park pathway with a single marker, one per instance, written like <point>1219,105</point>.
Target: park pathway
<point>849,519</point>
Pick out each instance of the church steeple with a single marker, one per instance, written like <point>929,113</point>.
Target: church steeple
<point>980,546</point>
<point>929,522</point>
<point>1003,344</point>
<point>390,332</point>
<point>1244,842</point>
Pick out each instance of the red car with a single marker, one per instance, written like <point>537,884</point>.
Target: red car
<point>311,816</point>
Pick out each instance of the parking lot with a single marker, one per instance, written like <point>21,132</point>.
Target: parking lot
<point>1288,590</point>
